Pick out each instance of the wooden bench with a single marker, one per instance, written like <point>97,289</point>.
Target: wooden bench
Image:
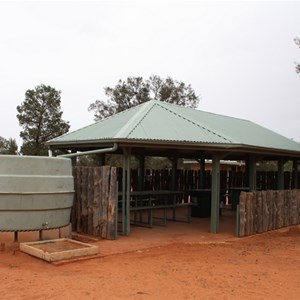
<point>149,201</point>
<point>150,215</point>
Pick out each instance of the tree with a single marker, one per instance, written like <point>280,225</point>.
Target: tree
<point>136,90</point>
<point>8,146</point>
<point>297,41</point>
<point>40,116</point>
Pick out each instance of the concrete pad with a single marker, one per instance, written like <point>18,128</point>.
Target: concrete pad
<point>59,249</point>
<point>65,232</point>
<point>28,236</point>
<point>49,234</point>
<point>7,236</point>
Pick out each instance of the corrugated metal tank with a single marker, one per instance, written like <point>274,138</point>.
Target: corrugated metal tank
<point>35,192</point>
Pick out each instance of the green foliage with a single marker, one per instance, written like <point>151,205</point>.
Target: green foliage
<point>158,163</point>
<point>297,41</point>
<point>136,90</point>
<point>40,116</point>
<point>116,160</point>
<point>288,166</point>
<point>8,146</point>
<point>87,161</point>
<point>269,166</point>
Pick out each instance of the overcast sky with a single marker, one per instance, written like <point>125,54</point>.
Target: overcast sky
<point>239,56</point>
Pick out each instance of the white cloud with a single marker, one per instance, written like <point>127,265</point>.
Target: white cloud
<point>238,55</point>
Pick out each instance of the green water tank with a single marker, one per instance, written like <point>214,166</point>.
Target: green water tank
<point>35,192</point>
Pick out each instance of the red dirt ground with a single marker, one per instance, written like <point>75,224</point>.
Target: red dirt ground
<point>178,261</point>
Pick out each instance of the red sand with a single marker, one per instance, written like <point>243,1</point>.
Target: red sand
<point>179,261</point>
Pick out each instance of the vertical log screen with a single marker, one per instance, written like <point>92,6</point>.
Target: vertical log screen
<point>262,211</point>
<point>190,179</point>
<point>95,200</point>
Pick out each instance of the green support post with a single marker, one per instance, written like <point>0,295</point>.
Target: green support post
<point>174,179</point>
<point>124,181</point>
<point>252,172</point>
<point>280,179</point>
<point>128,155</point>
<point>126,192</point>
<point>215,194</point>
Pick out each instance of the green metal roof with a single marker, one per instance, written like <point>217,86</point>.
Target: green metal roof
<point>163,122</point>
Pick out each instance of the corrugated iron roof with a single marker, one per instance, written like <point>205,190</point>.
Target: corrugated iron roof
<point>165,122</point>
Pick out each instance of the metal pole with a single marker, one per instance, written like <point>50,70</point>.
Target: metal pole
<point>280,179</point>
<point>105,150</point>
<point>124,180</point>
<point>128,177</point>
<point>215,194</point>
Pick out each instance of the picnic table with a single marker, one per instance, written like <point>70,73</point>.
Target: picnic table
<point>148,201</point>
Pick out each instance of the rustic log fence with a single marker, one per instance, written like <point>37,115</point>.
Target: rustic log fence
<point>95,201</point>
<point>191,179</point>
<point>263,211</point>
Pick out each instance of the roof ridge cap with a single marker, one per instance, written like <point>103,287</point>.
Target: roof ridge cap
<point>135,120</point>
<point>196,122</point>
<point>91,124</point>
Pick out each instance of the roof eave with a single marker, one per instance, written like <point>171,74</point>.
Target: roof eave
<point>179,145</point>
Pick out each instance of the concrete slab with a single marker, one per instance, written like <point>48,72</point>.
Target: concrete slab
<point>28,236</point>
<point>59,249</point>
<point>7,236</point>
<point>65,232</point>
<point>50,234</point>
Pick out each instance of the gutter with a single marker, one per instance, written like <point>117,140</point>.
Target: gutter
<point>105,150</point>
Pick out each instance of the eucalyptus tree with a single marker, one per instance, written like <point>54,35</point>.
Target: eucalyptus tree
<point>8,146</point>
<point>135,90</point>
<point>40,116</point>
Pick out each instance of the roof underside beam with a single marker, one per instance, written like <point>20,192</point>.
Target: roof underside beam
<point>181,151</point>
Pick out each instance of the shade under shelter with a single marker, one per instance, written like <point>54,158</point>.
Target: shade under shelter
<point>162,129</point>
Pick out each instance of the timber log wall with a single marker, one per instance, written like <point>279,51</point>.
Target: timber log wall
<point>95,199</point>
<point>262,211</point>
